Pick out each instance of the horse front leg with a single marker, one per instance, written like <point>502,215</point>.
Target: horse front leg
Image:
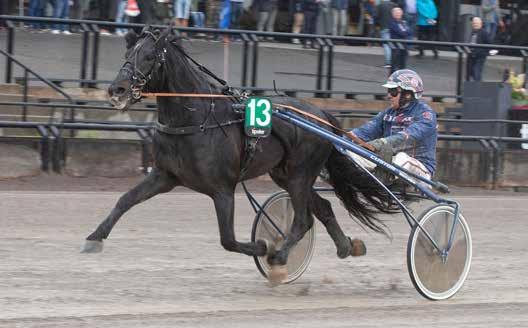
<point>302,222</point>
<point>157,181</point>
<point>225,211</point>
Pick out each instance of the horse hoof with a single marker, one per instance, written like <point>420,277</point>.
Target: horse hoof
<point>92,246</point>
<point>344,252</point>
<point>277,275</point>
<point>358,247</point>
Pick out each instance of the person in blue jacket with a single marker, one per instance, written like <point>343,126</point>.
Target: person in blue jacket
<point>427,23</point>
<point>406,132</point>
<point>399,29</point>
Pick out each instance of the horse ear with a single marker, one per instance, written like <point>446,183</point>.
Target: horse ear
<point>170,34</point>
<point>131,38</point>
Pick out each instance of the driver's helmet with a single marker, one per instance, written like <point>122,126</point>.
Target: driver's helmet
<point>407,80</point>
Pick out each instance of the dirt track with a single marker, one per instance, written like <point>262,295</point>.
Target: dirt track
<point>163,266</point>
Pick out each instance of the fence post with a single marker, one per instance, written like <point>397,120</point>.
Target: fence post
<point>57,153</point>
<point>460,63</point>
<point>245,53</point>
<point>496,163</point>
<point>44,148</point>
<point>84,53</point>
<point>487,175</point>
<point>10,47</point>
<point>524,53</point>
<point>25,95</point>
<point>255,60</point>
<point>320,59</point>
<point>330,67</point>
<point>95,54</point>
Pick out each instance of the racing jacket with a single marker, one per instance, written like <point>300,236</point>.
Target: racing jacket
<point>411,129</point>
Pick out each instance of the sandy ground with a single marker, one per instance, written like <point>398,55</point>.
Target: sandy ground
<point>163,266</point>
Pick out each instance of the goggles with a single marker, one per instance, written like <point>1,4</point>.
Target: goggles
<point>393,92</point>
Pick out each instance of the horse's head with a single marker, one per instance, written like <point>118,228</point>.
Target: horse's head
<point>144,60</point>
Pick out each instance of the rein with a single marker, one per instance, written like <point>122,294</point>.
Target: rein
<point>350,134</point>
<point>184,95</point>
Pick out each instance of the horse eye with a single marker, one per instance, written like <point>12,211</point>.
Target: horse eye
<point>151,56</point>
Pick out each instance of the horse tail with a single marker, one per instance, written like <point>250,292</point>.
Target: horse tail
<point>362,197</point>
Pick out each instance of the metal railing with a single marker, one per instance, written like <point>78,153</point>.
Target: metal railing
<point>51,138</point>
<point>28,71</point>
<point>251,39</point>
<point>52,145</point>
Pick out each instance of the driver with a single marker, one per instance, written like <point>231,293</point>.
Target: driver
<point>405,133</point>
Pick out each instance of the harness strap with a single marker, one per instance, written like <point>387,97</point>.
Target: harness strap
<point>182,130</point>
<point>250,145</point>
<point>203,68</point>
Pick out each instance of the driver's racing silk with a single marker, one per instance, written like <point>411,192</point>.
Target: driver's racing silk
<point>411,130</point>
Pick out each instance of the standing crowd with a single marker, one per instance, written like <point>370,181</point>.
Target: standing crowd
<point>418,20</point>
<point>119,11</point>
<point>387,19</point>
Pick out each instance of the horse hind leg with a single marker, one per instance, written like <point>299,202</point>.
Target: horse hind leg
<point>157,181</point>
<point>324,213</point>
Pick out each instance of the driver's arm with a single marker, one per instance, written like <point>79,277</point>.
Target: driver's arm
<point>424,126</point>
<point>371,130</point>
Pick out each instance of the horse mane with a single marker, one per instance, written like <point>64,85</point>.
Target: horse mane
<point>182,73</point>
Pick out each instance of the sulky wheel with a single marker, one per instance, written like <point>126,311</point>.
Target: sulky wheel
<point>279,209</point>
<point>439,277</point>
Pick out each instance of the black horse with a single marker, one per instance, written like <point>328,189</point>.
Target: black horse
<point>200,144</point>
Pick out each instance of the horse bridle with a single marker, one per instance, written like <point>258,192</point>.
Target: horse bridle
<point>138,78</point>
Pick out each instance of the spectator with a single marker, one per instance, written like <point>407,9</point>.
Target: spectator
<point>79,8</point>
<point>237,9</point>
<point>410,13</point>
<point>182,9</point>
<point>224,21</point>
<point>427,15</point>
<point>399,29</point>
<point>267,10</point>
<point>147,12</point>
<point>339,13</point>
<point>197,16</point>
<point>370,18</point>
<point>36,9</point>
<point>504,31</point>
<point>477,57</point>
<point>324,18</point>
<point>384,17</point>
<point>491,17</point>
<point>61,10</point>
<point>4,10</point>
<point>310,8</point>
<point>106,11</point>
<point>121,16</point>
<point>298,19</point>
